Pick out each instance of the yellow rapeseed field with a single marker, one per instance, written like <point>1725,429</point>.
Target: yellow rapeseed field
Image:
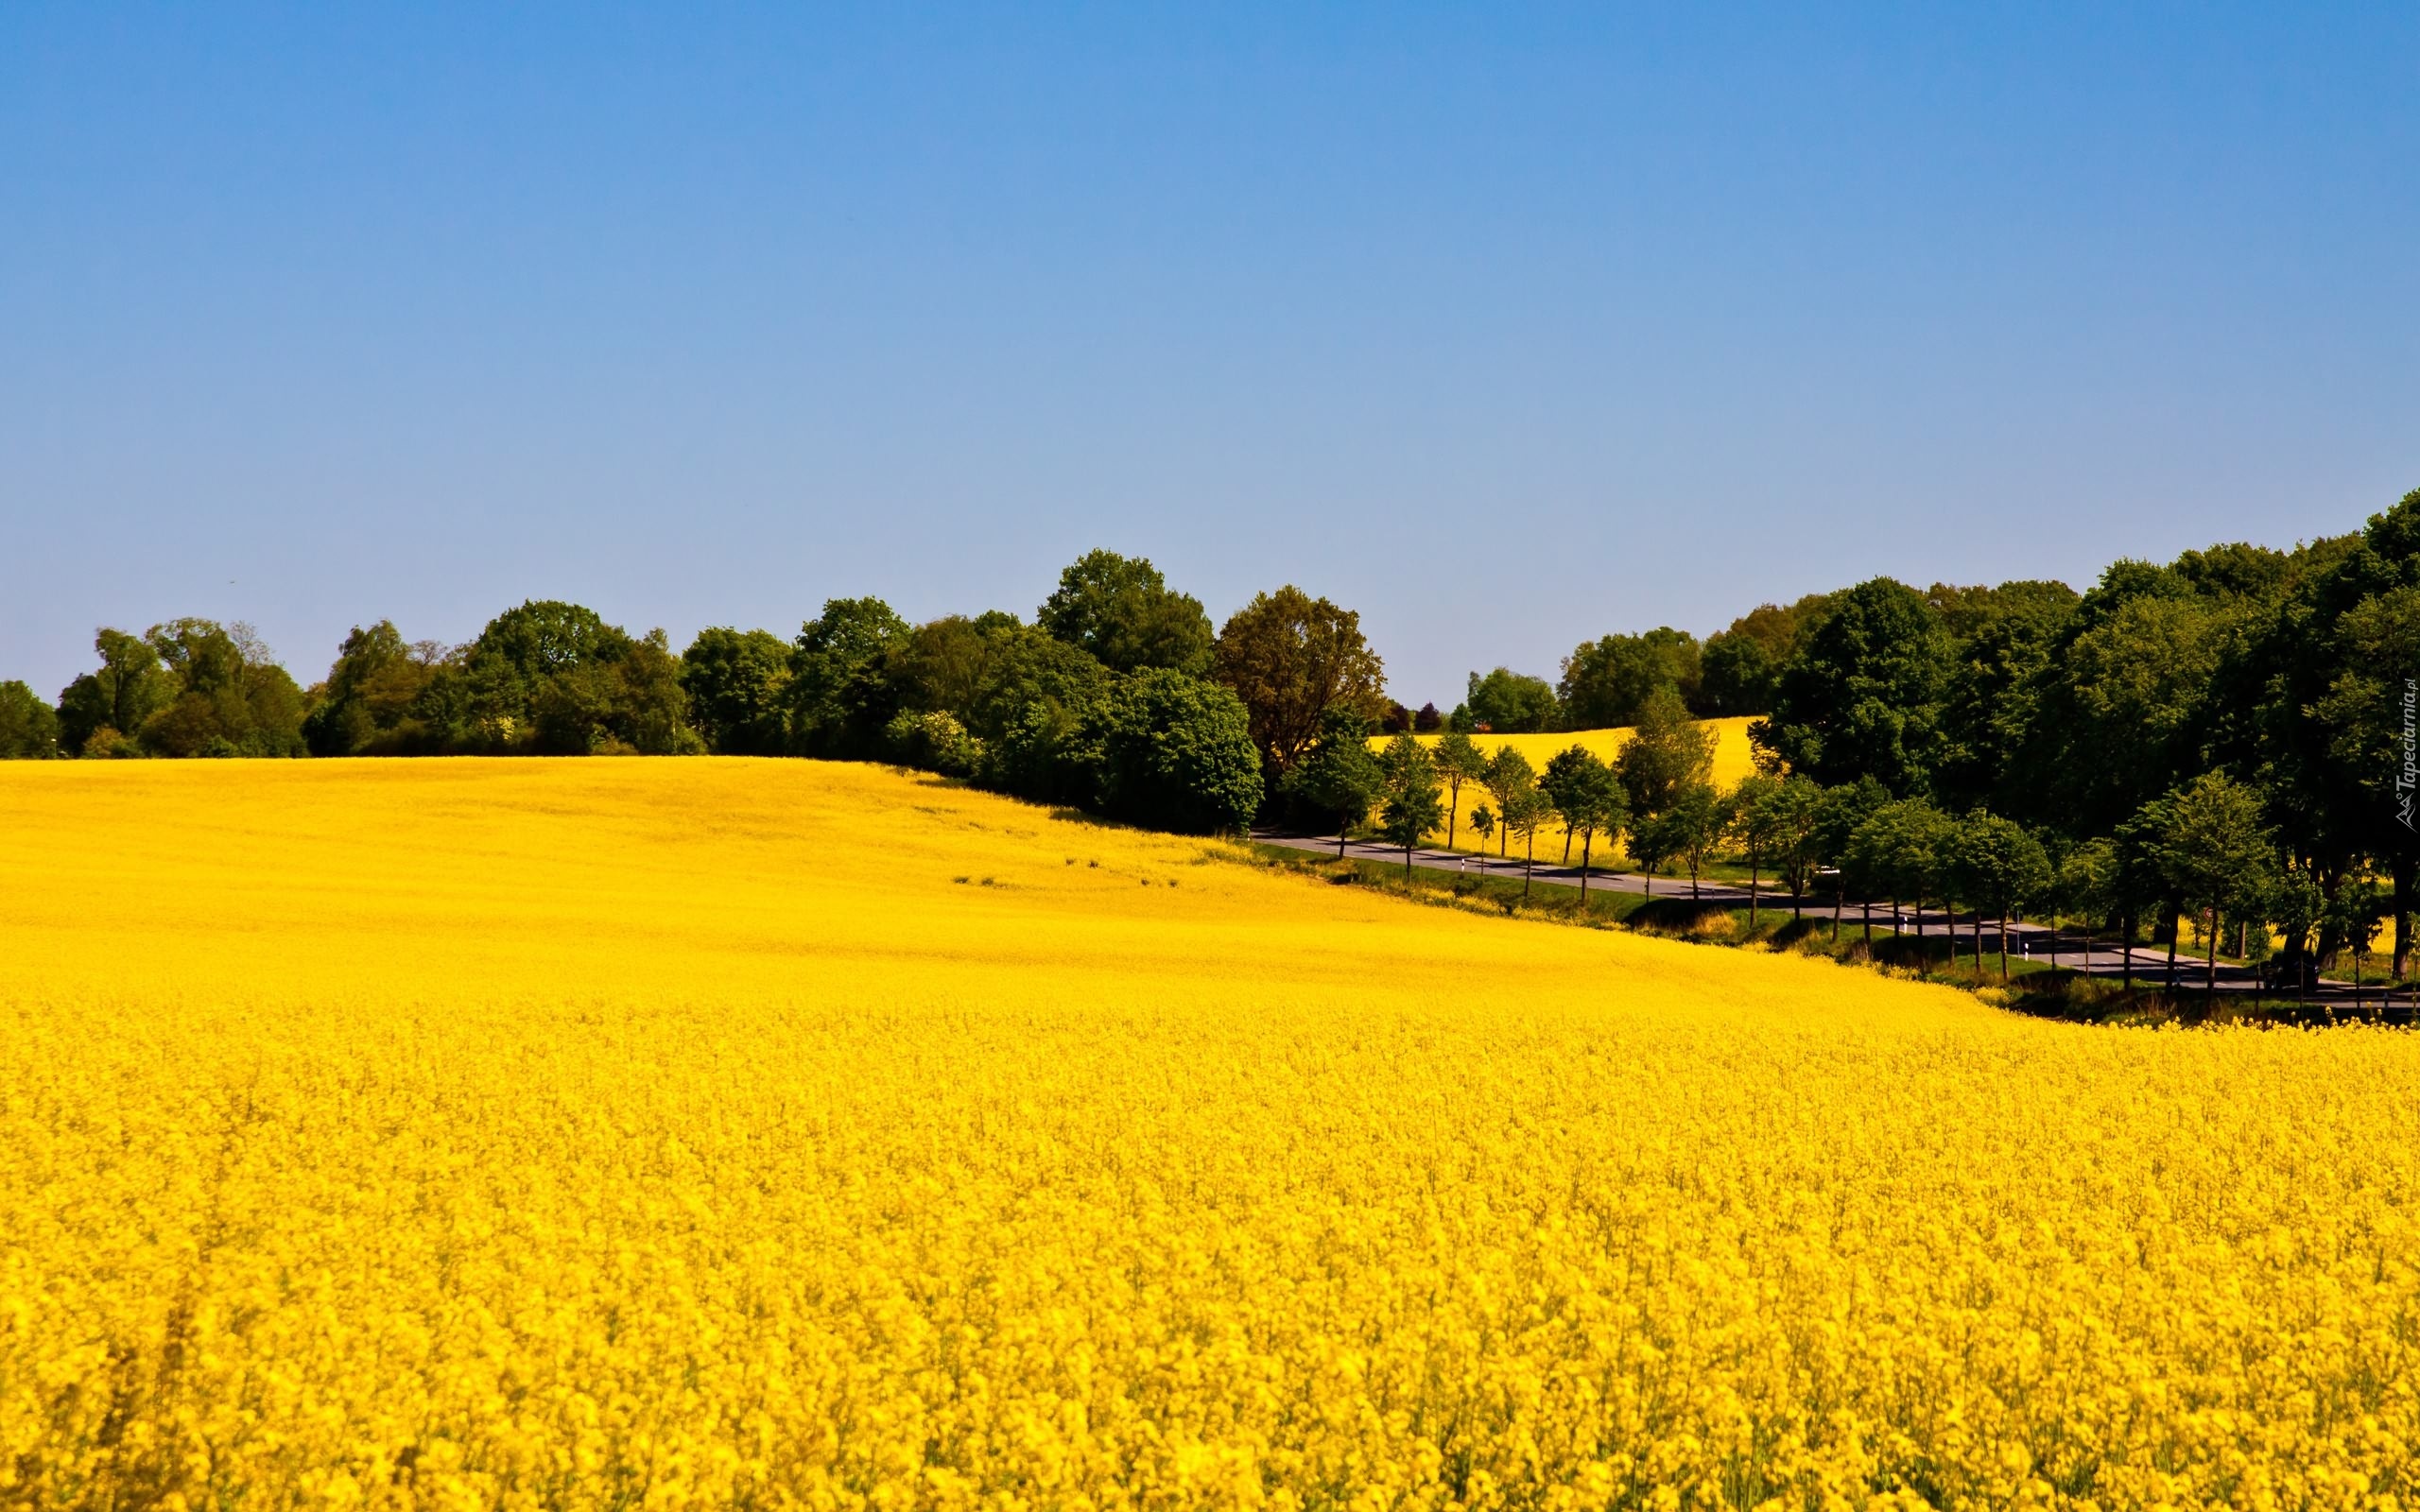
<point>655,1133</point>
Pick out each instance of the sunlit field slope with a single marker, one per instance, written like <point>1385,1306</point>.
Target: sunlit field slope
<point>1734,759</point>
<point>622,1133</point>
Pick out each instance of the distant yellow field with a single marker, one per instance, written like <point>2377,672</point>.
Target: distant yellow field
<point>726,1133</point>
<point>1734,759</point>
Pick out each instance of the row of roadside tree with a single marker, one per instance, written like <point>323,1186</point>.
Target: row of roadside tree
<point>2202,853</point>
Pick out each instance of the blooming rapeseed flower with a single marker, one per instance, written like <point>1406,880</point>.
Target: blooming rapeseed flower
<point>467,1134</point>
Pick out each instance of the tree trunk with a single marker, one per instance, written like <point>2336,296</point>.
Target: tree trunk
<point>1840,896</point>
<point>2402,915</point>
<point>2126,952</point>
<point>2004,945</point>
<point>1566,845</point>
<point>1753,878</point>
<point>1529,863</point>
<point>1452,811</point>
<point>2175,927</point>
<point>1587,843</point>
<point>2210,965</point>
<point>1979,942</point>
<point>1342,826</point>
<point>1406,859</point>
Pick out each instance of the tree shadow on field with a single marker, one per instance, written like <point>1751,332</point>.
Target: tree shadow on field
<point>1064,815</point>
<point>1680,916</point>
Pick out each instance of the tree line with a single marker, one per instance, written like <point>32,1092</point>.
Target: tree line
<point>2227,737</point>
<point>1119,696</point>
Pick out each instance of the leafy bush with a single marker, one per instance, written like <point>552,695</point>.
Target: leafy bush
<point>936,742</point>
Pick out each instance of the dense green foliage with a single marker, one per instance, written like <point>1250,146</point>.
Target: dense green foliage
<point>1291,658</point>
<point>738,687</point>
<point>1507,703</point>
<point>543,678</point>
<point>1411,800</point>
<point>1607,681</point>
<point>28,727</point>
<point>1175,753</point>
<point>1121,611</point>
<point>190,687</point>
<point>1338,777</point>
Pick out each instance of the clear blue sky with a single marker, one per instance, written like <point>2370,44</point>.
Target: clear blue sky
<point>1507,326</point>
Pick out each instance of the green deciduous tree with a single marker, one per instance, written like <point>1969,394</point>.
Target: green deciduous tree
<point>367,706</point>
<point>190,687</point>
<point>28,727</point>
<point>1838,816</point>
<point>1482,825</point>
<point>2140,882</point>
<point>1587,797</point>
<point>2122,717</point>
<point>1508,774</point>
<point>119,698</point>
<point>840,701</point>
<point>1752,822</point>
<point>1123,613</point>
<point>1667,754</point>
<point>2005,640</point>
<point>1695,821</point>
<point>1863,696</point>
<point>1175,753</point>
<point>1608,681</point>
<point>2373,699</point>
<point>1792,812</point>
<point>2215,853</point>
<point>1413,801</point>
<point>738,684</point>
<point>1507,703</point>
<point>934,740</point>
<point>1339,775</point>
<point>549,678</point>
<point>2001,868</point>
<point>1526,808</point>
<point>986,671</point>
<point>1899,850</point>
<point>1457,762</point>
<point>2087,886</point>
<point>2297,907</point>
<point>1743,664</point>
<point>2353,915</point>
<point>1653,841</point>
<point>1291,658</point>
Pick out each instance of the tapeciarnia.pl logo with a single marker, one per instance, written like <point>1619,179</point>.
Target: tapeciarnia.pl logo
<point>2407,778</point>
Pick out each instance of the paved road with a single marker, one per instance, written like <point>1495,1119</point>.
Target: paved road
<point>2027,941</point>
